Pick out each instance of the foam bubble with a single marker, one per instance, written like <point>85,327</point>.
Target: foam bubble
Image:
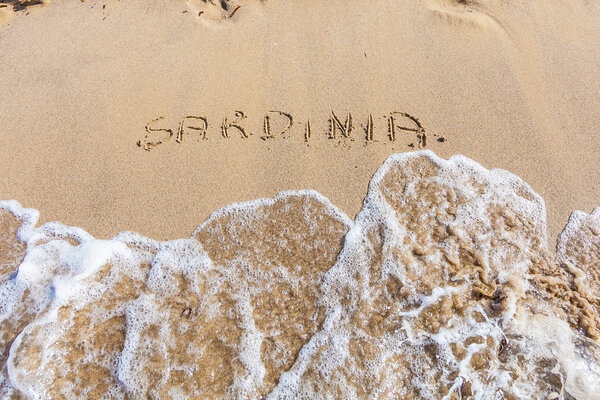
<point>443,287</point>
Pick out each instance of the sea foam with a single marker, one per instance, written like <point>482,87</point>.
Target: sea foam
<point>442,287</point>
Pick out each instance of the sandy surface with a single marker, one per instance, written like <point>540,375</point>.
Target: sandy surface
<point>510,84</point>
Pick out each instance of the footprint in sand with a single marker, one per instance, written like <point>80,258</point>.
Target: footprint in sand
<point>477,13</point>
<point>9,7</point>
<point>216,10</point>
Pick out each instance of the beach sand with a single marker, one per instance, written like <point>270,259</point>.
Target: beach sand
<point>402,260</point>
<point>510,85</point>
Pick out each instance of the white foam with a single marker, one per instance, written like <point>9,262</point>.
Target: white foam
<point>62,267</point>
<point>28,216</point>
<point>247,208</point>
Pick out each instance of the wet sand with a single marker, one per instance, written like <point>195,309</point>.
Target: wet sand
<point>396,274</point>
<point>442,287</point>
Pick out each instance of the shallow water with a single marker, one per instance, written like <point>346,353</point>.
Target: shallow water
<point>443,287</point>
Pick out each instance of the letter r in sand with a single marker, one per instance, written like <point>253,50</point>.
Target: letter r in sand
<point>239,115</point>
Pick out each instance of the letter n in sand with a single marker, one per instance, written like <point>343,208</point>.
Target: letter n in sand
<point>335,124</point>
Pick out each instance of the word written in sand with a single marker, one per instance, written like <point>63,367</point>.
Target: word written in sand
<point>279,123</point>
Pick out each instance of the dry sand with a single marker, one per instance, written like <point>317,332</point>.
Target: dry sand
<point>510,84</point>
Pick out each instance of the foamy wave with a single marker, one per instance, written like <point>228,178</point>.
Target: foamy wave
<point>441,288</point>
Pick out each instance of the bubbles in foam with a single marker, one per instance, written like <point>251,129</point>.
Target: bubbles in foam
<point>441,288</point>
<point>428,289</point>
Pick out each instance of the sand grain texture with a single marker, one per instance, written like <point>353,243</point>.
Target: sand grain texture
<point>512,85</point>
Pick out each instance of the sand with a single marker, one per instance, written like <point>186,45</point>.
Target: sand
<point>442,287</point>
<point>149,115</point>
<point>512,85</point>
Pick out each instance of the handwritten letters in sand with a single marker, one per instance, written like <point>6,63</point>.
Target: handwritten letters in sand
<point>280,124</point>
